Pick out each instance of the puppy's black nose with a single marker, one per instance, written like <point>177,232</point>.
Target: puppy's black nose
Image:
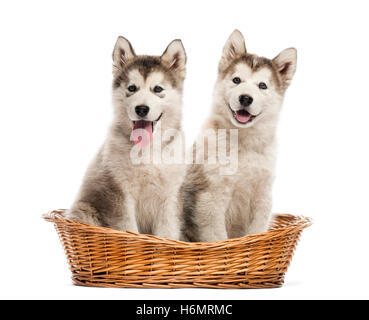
<point>142,111</point>
<point>245,100</point>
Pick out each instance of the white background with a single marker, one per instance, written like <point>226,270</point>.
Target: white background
<point>55,108</point>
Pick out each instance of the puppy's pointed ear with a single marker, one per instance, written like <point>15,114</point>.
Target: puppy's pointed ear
<point>286,63</point>
<point>174,57</point>
<point>234,47</point>
<point>122,52</point>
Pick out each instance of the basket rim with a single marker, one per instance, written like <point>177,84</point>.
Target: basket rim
<point>300,223</point>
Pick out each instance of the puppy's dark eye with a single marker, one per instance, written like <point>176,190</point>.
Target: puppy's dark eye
<point>158,89</point>
<point>263,86</point>
<point>236,80</point>
<point>132,88</point>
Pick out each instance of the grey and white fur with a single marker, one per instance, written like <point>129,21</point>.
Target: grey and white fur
<point>116,192</point>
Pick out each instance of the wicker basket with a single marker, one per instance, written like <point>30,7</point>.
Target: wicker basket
<point>103,257</point>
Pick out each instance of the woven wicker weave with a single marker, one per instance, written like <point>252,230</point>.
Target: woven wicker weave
<point>103,257</point>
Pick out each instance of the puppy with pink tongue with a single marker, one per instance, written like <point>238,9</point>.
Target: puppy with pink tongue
<point>120,190</point>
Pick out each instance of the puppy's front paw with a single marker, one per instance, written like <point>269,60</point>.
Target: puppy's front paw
<point>83,213</point>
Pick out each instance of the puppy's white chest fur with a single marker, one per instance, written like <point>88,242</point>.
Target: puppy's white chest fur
<point>147,187</point>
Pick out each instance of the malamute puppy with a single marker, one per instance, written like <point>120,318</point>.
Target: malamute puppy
<point>117,192</point>
<point>248,96</point>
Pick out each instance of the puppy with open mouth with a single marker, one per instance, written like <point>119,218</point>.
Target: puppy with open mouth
<point>116,192</point>
<point>248,97</point>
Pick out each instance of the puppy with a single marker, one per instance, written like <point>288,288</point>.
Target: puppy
<point>248,97</point>
<point>119,191</point>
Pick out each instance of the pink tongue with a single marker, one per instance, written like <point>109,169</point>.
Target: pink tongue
<point>142,133</point>
<point>243,116</point>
